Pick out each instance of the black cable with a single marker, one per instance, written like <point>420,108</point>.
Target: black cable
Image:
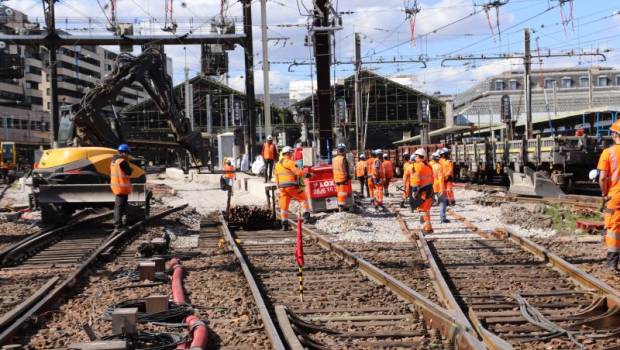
<point>175,313</point>
<point>150,341</point>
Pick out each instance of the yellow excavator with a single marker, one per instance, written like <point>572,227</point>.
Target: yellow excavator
<point>77,175</point>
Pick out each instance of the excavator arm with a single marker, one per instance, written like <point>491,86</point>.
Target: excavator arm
<point>86,126</point>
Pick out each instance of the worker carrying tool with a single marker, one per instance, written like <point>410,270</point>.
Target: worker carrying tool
<point>269,153</point>
<point>288,179</point>
<point>371,185</point>
<point>439,186</point>
<point>378,179</point>
<point>342,179</point>
<point>448,173</point>
<point>360,174</point>
<point>406,173</point>
<point>609,182</point>
<point>120,171</point>
<point>421,180</point>
<point>388,170</point>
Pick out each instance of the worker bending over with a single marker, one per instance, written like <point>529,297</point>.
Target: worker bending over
<point>342,179</point>
<point>439,186</point>
<point>288,180</point>
<point>421,180</point>
<point>120,171</point>
<point>448,173</point>
<point>360,174</point>
<point>609,181</point>
<point>388,170</point>
<point>406,173</point>
<point>378,179</point>
<point>269,152</point>
<point>370,162</point>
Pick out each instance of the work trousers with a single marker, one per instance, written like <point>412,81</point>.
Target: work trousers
<point>120,210</point>
<point>362,180</point>
<point>386,187</point>
<point>268,169</point>
<point>407,191</point>
<point>378,192</point>
<point>342,192</point>
<point>371,188</point>
<point>422,201</point>
<point>443,204</point>
<point>287,194</point>
<point>449,193</point>
<point>612,237</point>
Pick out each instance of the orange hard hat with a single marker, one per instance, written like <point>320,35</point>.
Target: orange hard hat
<point>615,127</point>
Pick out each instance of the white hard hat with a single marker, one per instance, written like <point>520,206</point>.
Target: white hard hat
<point>435,154</point>
<point>444,150</point>
<point>269,137</point>
<point>420,152</point>
<point>377,151</point>
<point>287,149</point>
<point>385,155</point>
<point>362,156</point>
<point>341,147</point>
<point>412,158</point>
<point>593,174</point>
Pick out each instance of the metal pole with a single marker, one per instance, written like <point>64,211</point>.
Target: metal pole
<point>209,115</point>
<point>357,91</point>
<point>322,56</point>
<point>250,98</point>
<point>50,21</point>
<point>527,61</point>
<point>267,97</point>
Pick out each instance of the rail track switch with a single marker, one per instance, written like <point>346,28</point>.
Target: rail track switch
<point>147,270</point>
<point>125,320</point>
<point>156,303</point>
<point>100,345</point>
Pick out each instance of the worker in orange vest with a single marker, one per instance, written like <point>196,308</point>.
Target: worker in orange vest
<point>269,153</point>
<point>388,170</point>
<point>609,182</point>
<point>448,173</point>
<point>342,179</point>
<point>360,173</point>
<point>439,186</point>
<point>288,178</point>
<point>421,180</point>
<point>406,173</point>
<point>229,173</point>
<point>120,183</point>
<point>378,179</point>
<point>371,185</point>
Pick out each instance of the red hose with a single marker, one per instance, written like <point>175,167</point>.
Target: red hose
<point>197,328</point>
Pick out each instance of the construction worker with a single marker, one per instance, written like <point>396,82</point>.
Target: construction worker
<point>378,179</point>
<point>388,170</point>
<point>371,185</point>
<point>120,171</point>
<point>406,173</point>
<point>421,180</point>
<point>448,173</point>
<point>342,179</point>
<point>609,182</point>
<point>229,173</point>
<point>360,173</point>
<point>269,153</point>
<point>299,156</point>
<point>288,179</point>
<point>439,186</point>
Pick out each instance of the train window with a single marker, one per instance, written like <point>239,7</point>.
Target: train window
<point>499,85</point>
<point>567,82</point>
<point>584,81</point>
<point>602,80</point>
<point>550,83</point>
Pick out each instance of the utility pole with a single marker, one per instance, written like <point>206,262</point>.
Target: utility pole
<point>189,95</point>
<point>267,97</point>
<point>50,22</point>
<point>250,98</point>
<point>358,91</point>
<point>527,63</point>
<point>322,57</point>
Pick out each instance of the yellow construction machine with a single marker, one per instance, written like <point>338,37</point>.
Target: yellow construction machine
<point>77,175</point>
<point>8,161</point>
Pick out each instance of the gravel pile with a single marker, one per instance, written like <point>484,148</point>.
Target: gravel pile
<point>368,226</point>
<point>528,216</point>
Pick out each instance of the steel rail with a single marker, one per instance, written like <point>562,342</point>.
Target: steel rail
<point>270,328</point>
<point>83,270</point>
<point>437,317</point>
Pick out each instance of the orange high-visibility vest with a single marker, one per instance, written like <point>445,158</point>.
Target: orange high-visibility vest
<point>340,169</point>
<point>119,181</point>
<point>229,171</point>
<point>287,173</point>
<point>370,162</point>
<point>609,162</point>
<point>438,180</point>
<point>422,174</point>
<point>377,170</point>
<point>360,168</point>
<point>388,169</point>
<point>269,151</point>
<point>447,167</point>
<point>407,166</point>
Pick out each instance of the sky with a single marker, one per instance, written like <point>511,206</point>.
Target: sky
<point>443,28</point>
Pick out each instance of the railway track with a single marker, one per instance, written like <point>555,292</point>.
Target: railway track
<point>40,270</point>
<point>347,301</point>
<point>517,294</point>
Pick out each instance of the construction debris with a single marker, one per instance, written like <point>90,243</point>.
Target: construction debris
<point>250,217</point>
<point>525,215</point>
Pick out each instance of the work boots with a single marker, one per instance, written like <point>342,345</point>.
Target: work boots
<point>612,260</point>
<point>306,217</point>
<point>285,225</point>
